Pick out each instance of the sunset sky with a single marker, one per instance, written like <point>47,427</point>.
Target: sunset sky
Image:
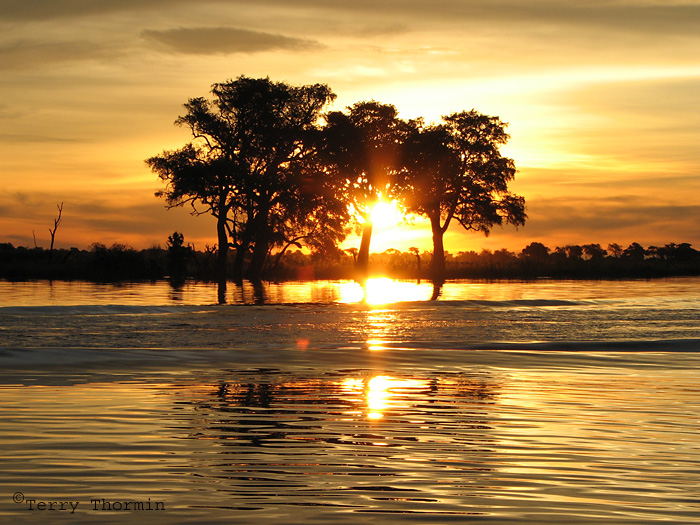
<point>602,100</point>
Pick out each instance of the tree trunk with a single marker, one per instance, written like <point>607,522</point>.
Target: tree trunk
<point>258,292</point>
<point>437,265</point>
<point>257,263</point>
<point>239,261</point>
<point>362,263</point>
<point>437,290</point>
<point>261,247</point>
<point>222,257</point>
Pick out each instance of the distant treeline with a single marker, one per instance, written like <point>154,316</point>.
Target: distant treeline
<point>178,262</point>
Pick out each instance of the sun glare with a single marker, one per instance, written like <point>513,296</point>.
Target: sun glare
<point>385,214</point>
<point>379,291</point>
<point>391,228</point>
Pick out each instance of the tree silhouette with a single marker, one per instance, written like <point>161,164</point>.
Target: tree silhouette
<point>535,251</point>
<point>634,252</point>
<point>455,171</point>
<point>615,249</point>
<point>361,147</point>
<point>178,253</point>
<point>593,251</point>
<point>572,252</point>
<point>56,222</point>
<point>431,167</point>
<point>259,164</point>
<point>248,164</point>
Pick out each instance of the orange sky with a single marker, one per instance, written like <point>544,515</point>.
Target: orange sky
<point>601,97</point>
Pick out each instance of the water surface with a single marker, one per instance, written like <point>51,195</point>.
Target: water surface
<point>554,401</point>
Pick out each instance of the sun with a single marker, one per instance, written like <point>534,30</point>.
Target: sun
<point>385,214</point>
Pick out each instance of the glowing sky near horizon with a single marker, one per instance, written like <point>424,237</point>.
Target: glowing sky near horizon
<point>602,100</point>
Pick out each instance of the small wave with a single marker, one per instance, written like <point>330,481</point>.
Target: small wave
<point>117,309</point>
<point>419,354</point>
<point>633,345</point>
<point>114,309</point>
<point>485,303</point>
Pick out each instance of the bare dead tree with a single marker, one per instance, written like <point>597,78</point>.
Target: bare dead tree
<point>56,222</point>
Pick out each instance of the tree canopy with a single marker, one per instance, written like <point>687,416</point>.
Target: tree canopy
<point>251,165</point>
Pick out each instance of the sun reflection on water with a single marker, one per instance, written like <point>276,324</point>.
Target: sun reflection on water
<point>382,393</point>
<point>382,290</point>
<point>377,396</point>
<point>376,344</point>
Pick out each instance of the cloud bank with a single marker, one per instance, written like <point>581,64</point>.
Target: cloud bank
<point>224,40</point>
